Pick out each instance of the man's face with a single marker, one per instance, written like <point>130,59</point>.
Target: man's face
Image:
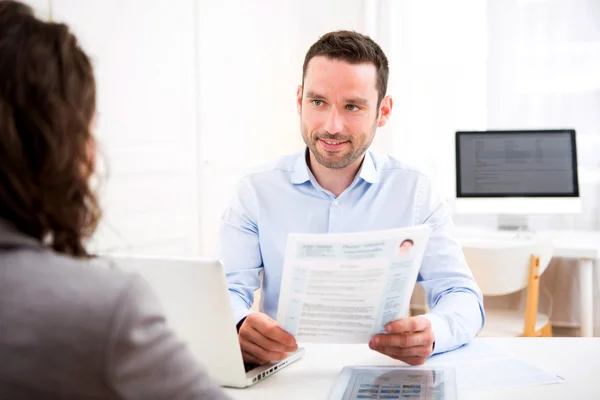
<point>338,110</point>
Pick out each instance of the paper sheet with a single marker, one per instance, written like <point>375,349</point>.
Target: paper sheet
<point>482,367</point>
<point>344,288</point>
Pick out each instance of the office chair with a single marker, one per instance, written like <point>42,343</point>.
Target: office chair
<point>508,266</point>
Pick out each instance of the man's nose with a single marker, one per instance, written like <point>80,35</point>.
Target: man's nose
<point>334,123</point>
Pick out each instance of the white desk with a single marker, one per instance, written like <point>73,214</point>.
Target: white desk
<point>581,245</point>
<point>574,359</point>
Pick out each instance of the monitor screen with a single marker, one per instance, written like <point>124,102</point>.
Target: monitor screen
<point>541,163</point>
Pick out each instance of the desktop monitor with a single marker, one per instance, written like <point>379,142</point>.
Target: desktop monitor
<point>517,172</point>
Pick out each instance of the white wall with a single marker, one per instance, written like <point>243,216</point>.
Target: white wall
<point>144,57</point>
<point>41,8</point>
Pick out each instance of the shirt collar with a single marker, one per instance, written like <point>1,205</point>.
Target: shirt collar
<point>368,171</point>
<point>301,173</point>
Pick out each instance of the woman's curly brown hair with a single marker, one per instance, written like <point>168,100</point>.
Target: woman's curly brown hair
<point>47,105</point>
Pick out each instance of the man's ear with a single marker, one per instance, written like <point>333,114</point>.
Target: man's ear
<point>299,99</point>
<point>385,111</point>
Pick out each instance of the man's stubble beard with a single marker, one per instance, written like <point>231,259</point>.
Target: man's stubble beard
<point>347,159</point>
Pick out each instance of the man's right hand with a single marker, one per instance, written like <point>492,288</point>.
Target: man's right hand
<point>262,340</point>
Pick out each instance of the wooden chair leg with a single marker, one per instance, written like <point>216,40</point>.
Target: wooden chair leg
<point>547,330</point>
<point>533,292</point>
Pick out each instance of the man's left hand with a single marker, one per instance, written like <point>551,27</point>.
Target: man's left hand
<point>409,340</point>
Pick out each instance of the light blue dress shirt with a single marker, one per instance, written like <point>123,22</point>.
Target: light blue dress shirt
<point>284,197</point>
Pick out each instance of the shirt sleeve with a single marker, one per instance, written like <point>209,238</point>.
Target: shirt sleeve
<point>456,302</point>
<point>239,249</point>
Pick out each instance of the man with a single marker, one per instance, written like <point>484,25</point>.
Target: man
<point>68,329</point>
<point>335,186</point>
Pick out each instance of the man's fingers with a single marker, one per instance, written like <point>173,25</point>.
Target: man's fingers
<point>259,353</point>
<point>250,359</point>
<point>405,325</point>
<point>263,340</point>
<point>259,339</point>
<point>269,328</point>
<point>424,338</point>
<point>411,355</point>
<point>398,352</point>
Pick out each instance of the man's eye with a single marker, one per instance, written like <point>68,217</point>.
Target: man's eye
<point>352,107</point>
<point>317,103</point>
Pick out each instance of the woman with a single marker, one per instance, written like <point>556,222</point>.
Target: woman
<point>67,329</point>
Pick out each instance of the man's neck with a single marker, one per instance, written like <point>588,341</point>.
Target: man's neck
<point>335,180</point>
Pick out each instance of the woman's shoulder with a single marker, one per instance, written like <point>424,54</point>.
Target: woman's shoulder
<point>64,290</point>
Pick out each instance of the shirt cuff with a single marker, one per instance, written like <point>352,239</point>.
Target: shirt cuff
<point>442,337</point>
<point>239,324</point>
<point>239,307</point>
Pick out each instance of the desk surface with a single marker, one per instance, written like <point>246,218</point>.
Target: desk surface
<point>568,244</point>
<point>577,360</point>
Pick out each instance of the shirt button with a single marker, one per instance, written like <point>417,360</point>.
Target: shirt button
<point>335,203</point>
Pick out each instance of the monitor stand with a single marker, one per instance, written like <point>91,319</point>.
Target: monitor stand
<point>513,222</point>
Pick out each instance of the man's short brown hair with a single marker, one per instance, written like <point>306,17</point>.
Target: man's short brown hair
<point>354,48</point>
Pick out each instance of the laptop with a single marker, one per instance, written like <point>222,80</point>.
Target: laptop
<point>194,296</point>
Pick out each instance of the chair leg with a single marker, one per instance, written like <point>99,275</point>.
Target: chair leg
<point>547,330</point>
